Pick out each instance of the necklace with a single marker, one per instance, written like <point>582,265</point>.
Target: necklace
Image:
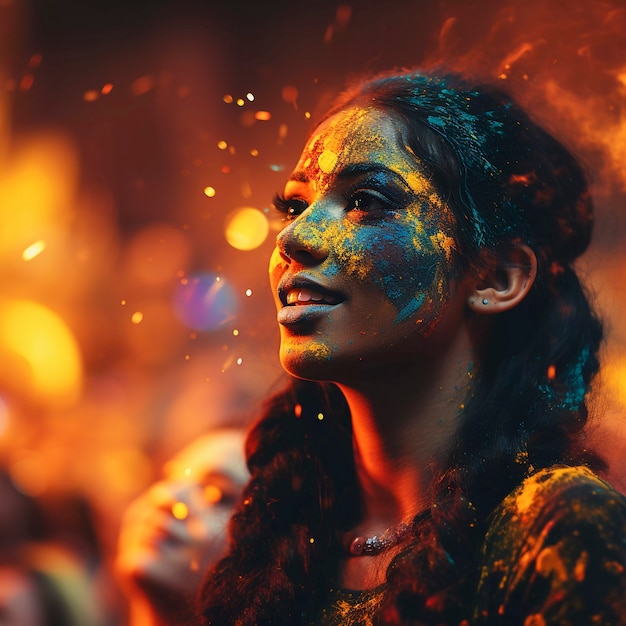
<point>370,546</point>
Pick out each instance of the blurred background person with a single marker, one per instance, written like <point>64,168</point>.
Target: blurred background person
<point>47,584</point>
<point>50,560</point>
<point>171,533</point>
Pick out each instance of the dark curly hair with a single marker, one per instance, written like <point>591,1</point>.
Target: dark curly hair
<point>507,182</point>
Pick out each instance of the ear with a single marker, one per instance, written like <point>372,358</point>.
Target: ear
<point>498,289</point>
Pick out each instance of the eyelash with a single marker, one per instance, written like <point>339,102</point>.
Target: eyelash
<point>286,207</point>
<point>293,207</point>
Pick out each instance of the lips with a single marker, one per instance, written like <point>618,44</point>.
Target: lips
<point>304,299</point>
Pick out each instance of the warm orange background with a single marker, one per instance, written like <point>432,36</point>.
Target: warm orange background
<point>129,134</point>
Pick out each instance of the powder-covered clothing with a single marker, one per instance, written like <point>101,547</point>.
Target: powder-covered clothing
<point>554,555</point>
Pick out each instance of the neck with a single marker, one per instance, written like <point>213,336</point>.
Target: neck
<point>404,422</point>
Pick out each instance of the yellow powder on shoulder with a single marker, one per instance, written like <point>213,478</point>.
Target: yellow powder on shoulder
<point>549,562</point>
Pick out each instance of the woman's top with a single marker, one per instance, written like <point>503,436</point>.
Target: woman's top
<point>554,554</point>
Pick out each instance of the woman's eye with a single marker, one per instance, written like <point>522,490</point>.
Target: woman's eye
<point>291,208</point>
<point>369,204</point>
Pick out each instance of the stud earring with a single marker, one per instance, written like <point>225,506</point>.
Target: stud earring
<point>485,301</point>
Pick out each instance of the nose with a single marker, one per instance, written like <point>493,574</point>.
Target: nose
<point>304,240</point>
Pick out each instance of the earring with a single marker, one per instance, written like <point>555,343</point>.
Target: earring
<point>485,301</point>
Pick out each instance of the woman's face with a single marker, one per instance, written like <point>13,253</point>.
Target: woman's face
<point>174,531</point>
<point>363,272</point>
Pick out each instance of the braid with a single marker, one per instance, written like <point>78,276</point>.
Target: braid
<point>283,546</point>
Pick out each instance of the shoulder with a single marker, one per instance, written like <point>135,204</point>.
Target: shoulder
<point>556,548</point>
<point>558,493</point>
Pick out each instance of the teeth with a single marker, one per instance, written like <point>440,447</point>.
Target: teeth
<point>306,295</point>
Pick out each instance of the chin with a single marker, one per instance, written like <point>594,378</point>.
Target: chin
<point>310,362</point>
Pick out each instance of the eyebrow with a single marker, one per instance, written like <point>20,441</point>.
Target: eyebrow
<point>350,171</point>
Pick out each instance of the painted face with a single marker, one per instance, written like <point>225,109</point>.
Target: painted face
<point>173,532</point>
<point>363,273</point>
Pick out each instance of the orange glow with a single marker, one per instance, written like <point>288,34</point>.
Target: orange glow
<point>614,379</point>
<point>35,249</point>
<point>95,257</point>
<point>40,340</point>
<point>513,57</point>
<point>5,417</point>
<point>142,85</point>
<point>213,494</point>
<point>39,178</point>
<point>180,510</point>
<point>595,126</point>
<point>246,229</point>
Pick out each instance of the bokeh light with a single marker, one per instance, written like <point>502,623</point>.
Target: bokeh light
<point>41,357</point>
<point>246,228</point>
<point>40,179</point>
<point>205,302</point>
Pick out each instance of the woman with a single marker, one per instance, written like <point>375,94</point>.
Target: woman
<point>425,268</point>
<point>175,530</point>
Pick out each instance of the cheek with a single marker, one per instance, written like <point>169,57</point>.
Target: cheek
<point>412,269</point>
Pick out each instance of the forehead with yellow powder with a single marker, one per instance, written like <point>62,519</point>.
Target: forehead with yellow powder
<point>357,135</point>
